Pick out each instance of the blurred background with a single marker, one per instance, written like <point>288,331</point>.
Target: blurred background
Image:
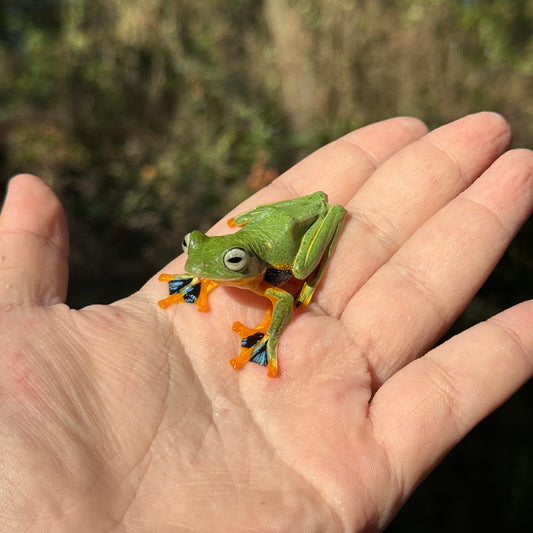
<point>151,118</point>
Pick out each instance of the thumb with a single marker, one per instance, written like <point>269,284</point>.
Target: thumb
<point>34,244</point>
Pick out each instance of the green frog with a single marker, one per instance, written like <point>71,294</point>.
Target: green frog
<point>292,239</point>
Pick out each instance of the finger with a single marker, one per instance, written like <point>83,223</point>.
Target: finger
<point>427,407</point>
<point>33,244</point>
<point>430,280</point>
<point>343,166</point>
<point>403,193</point>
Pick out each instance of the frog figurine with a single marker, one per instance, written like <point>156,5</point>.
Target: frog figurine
<point>276,242</point>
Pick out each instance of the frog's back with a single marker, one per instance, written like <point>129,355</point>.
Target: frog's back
<point>275,231</point>
<point>303,206</point>
<point>276,234</point>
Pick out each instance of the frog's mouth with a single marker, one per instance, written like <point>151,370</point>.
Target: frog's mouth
<point>255,280</point>
<point>232,282</point>
<point>203,271</point>
<point>235,280</point>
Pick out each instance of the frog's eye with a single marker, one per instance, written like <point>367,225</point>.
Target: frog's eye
<point>185,242</point>
<point>236,259</point>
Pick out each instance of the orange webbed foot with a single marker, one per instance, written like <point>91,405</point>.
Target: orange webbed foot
<point>254,344</point>
<point>169,300</point>
<point>187,288</point>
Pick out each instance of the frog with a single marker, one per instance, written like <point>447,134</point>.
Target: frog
<point>277,242</point>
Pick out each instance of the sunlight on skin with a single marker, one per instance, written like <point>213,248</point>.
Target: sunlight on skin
<point>129,416</point>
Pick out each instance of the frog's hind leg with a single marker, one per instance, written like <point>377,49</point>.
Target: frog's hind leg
<point>260,344</point>
<point>320,245</point>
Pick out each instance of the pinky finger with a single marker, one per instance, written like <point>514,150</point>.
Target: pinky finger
<point>421,412</point>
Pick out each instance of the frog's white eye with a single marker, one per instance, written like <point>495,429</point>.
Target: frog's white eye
<point>185,242</point>
<point>236,259</point>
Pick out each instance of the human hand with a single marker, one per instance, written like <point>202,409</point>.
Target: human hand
<point>129,417</point>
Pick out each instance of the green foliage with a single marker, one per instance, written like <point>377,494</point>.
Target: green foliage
<point>503,29</point>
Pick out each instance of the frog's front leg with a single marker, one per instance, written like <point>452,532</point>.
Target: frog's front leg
<point>260,344</point>
<point>186,288</point>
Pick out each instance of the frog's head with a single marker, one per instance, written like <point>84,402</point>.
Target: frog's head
<point>224,258</point>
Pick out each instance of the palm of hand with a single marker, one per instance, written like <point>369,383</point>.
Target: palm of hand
<point>126,415</point>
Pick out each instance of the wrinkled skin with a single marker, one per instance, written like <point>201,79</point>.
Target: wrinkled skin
<point>129,418</point>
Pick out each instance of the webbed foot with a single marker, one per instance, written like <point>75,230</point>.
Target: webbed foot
<point>255,346</point>
<point>186,288</point>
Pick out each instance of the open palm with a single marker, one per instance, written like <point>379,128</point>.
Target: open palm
<point>129,418</point>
